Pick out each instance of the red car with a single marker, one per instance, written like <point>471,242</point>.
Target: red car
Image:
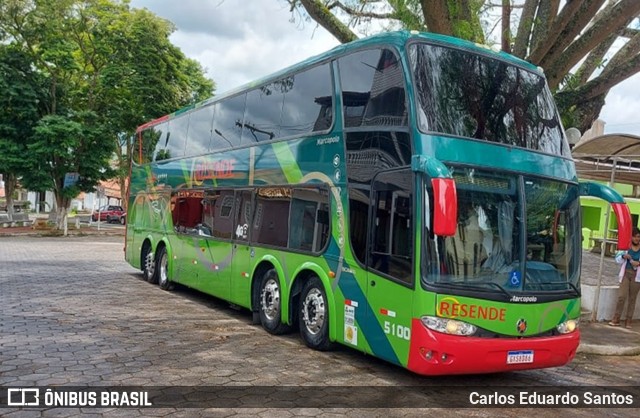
<point>110,213</point>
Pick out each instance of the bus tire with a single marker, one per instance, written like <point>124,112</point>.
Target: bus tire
<point>271,304</point>
<point>162,269</point>
<point>314,315</point>
<point>148,263</point>
<point>150,271</point>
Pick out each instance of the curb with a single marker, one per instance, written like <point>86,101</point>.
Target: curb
<point>70,234</point>
<point>607,350</point>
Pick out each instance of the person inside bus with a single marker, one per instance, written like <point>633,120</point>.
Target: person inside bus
<point>629,277</point>
<point>500,258</point>
<point>473,242</point>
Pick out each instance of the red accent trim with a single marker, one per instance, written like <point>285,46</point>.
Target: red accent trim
<point>139,134</point>
<point>151,123</point>
<point>624,225</point>
<point>384,311</point>
<point>471,355</point>
<point>125,202</point>
<point>445,210</point>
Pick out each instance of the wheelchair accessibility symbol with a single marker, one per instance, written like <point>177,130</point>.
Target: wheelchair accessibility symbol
<point>514,279</point>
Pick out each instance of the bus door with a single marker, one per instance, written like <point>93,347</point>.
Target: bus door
<point>215,247</point>
<point>390,265</point>
<point>242,252</point>
<point>186,214</point>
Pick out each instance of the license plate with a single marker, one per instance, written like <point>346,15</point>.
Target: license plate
<point>520,357</point>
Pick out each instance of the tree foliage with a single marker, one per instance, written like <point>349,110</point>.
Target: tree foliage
<point>19,112</point>
<point>102,69</point>
<point>576,42</point>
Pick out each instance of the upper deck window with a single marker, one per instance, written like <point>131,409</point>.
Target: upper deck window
<point>469,95</point>
<point>373,92</point>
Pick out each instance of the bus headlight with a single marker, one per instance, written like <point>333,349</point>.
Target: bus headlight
<point>448,326</point>
<point>568,326</point>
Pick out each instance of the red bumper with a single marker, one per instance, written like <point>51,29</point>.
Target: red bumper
<point>434,353</point>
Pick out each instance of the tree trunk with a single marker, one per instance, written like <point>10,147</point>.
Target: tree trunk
<point>437,17</point>
<point>10,184</point>
<point>506,26</point>
<point>323,16</point>
<point>573,17</point>
<point>61,213</point>
<point>520,48</point>
<point>618,16</point>
<point>587,112</point>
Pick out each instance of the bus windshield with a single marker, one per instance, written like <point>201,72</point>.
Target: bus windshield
<point>496,102</point>
<point>514,234</point>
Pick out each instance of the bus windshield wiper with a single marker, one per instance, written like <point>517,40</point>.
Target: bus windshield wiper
<point>502,289</point>
<point>475,286</point>
<point>573,287</point>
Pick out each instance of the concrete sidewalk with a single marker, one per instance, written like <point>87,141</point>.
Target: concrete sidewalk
<point>603,339</point>
<point>597,336</point>
<point>92,229</point>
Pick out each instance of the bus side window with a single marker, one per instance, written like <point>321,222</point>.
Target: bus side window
<point>186,210</point>
<point>264,111</point>
<point>145,144</point>
<point>199,132</point>
<point>228,122</point>
<point>206,224</point>
<point>373,92</point>
<point>308,102</point>
<point>392,244</point>
<point>273,204</point>
<point>367,153</point>
<point>222,214</point>
<point>244,212</point>
<point>161,139</point>
<point>309,220</point>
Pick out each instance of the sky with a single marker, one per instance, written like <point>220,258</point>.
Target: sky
<point>238,41</point>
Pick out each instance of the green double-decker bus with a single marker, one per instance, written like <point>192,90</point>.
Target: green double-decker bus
<point>410,195</point>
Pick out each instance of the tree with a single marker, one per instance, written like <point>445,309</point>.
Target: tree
<point>62,145</point>
<point>108,69</point>
<point>137,74</point>
<point>571,43</point>
<point>21,93</point>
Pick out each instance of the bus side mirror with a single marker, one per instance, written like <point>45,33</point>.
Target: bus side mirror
<point>624,225</point>
<point>445,207</point>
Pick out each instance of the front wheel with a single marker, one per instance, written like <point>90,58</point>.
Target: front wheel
<point>314,315</point>
<point>162,268</point>
<point>271,304</point>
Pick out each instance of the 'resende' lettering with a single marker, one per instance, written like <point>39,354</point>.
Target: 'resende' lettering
<point>463,310</point>
<point>209,170</point>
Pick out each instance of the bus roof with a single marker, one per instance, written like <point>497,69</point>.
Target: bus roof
<point>397,38</point>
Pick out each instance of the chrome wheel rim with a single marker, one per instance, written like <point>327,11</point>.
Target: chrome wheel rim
<point>149,265</point>
<point>313,311</point>
<point>270,299</point>
<point>163,269</point>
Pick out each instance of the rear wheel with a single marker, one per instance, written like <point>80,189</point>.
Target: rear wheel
<point>122,220</point>
<point>314,315</point>
<point>162,264</point>
<point>271,304</point>
<point>149,265</point>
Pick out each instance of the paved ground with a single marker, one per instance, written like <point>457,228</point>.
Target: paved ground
<point>75,314</point>
<point>592,272</point>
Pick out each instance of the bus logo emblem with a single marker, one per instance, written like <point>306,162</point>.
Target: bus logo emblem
<point>521,326</point>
